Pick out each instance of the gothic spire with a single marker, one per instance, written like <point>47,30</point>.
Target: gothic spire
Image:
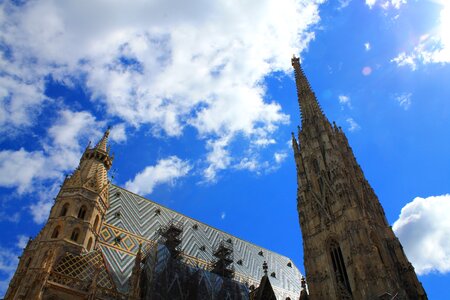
<point>309,107</point>
<point>102,144</point>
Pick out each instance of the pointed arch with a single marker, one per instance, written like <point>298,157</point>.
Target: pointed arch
<point>89,244</point>
<point>56,232</point>
<point>82,212</point>
<point>97,220</point>
<point>338,265</point>
<point>64,210</point>
<point>75,234</point>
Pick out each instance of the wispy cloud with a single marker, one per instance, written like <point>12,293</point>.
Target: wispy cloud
<point>223,215</point>
<point>22,241</point>
<point>386,4</point>
<point>367,46</point>
<point>404,100</point>
<point>279,157</point>
<point>345,101</point>
<point>431,48</point>
<point>352,125</point>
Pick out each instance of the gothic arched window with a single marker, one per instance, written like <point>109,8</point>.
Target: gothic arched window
<point>97,219</point>
<point>75,234</point>
<point>82,212</point>
<point>339,269</point>
<point>89,245</point>
<point>64,210</point>
<point>56,232</point>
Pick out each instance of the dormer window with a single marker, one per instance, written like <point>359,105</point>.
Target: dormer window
<point>260,253</point>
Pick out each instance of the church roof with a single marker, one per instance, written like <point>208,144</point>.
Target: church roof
<point>132,219</point>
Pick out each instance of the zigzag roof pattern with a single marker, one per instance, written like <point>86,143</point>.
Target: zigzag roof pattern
<point>132,219</point>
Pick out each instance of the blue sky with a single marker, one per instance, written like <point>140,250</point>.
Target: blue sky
<point>202,102</point>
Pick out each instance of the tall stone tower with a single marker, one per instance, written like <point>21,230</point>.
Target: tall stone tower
<point>73,224</point>
<point>350,251</point>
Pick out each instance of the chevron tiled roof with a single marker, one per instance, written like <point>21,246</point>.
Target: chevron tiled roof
<point>132,219</point>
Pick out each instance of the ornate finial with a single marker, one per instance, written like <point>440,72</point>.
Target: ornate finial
<point>265,267</point>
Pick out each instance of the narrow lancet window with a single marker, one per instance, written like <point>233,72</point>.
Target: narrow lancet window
<point>339,269</point>
<point>64,210</point>
<point>75,234</point>
<point>82,212</point>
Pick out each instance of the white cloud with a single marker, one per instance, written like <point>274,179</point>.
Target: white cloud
<point>431,48</point>
<point>353,126</point>
<point>250,164</point>
<point>404,59</point>
<point>370,3</point>
<point>344,3</point>
<point>423,228</point>
<point>118,133</point>
<point>367,46</point>
<point>8,264</point>
<point>223,215</point>
<point>32,171</point>
<point>345,101</point>
<point>166,170</point>
<point>263,142</point>
<point>22,241</point>
<point>217,159</point>
<point>279,157</point>
<point>404,100</point>
<point>386,4</point>
<point>166,64</point>
<point>21,169</point>
<point>40,210</point>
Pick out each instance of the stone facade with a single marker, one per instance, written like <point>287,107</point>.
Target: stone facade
<point>99,241</point>
<point>72,227</point>
<point>350,251</point>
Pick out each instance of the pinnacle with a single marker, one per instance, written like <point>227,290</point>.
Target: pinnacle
<point>309,107</point>
<point>102,144</point>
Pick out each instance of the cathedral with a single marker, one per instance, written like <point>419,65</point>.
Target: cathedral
<point>104,242</point>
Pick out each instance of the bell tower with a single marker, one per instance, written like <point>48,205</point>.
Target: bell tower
<point>72,226</point>
<point>350,251</point>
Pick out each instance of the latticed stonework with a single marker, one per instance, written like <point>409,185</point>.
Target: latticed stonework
<point>84,274</point>
<point>350,252</point>
<point>84,267</point>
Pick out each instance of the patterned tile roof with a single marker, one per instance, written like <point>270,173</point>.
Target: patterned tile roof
<point>132,219</point>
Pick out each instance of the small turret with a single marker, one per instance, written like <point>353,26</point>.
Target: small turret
<point>73,224</point>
